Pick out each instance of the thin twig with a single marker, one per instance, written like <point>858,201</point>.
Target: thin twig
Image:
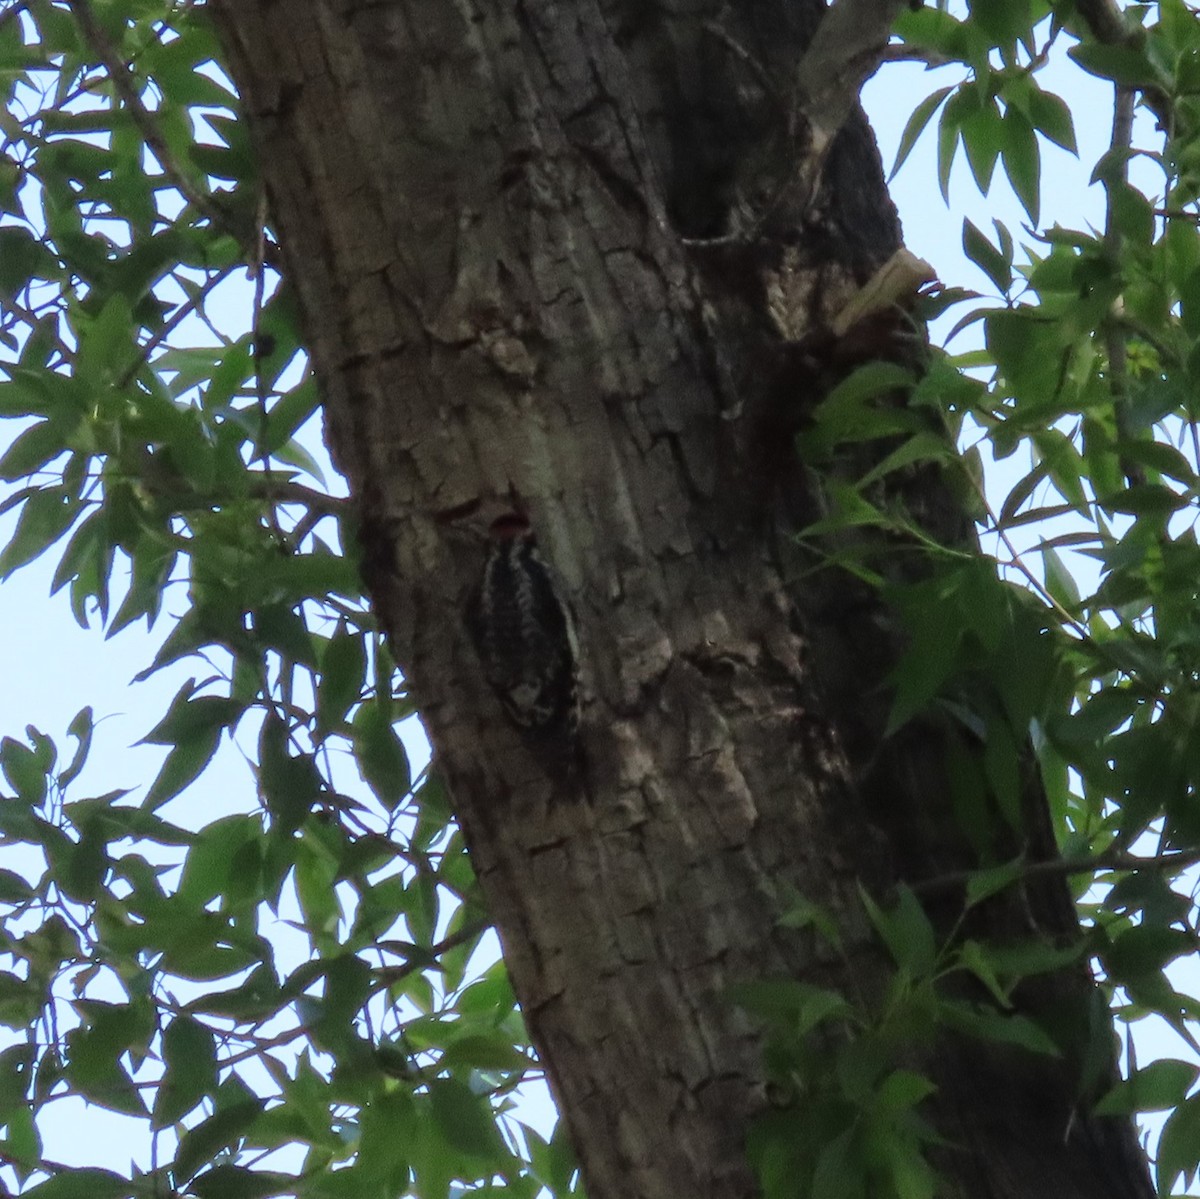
<point>901,52</point>
<point>261,1046</point>
<point>1116,860</point>
<point>256,349</point>
<point>258,488</point>
<point>1116,181</point>
<point>185,310</point>
<point>304,527</point>
<point>284,492</point>
<point>393,974</point>
<point>1178,214</point>
<point>162,483</point>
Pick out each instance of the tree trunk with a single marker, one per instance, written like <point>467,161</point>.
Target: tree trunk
<point>578,257</point>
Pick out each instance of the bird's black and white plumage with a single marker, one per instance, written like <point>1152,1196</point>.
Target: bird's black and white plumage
<point>524,633</point>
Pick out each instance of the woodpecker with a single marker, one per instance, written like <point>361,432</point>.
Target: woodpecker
<point>524,634</point>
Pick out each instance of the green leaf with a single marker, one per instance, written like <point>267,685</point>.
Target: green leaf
<point>183,766</point>
<point>240,1182</point>
<point>382,1152</point>
<point>1124,64</point>
<point>292,411</point>
<point>45,517</point>
<point>840,1169</point>
<point>208,869</point>
<point>289,783</point>
<point>1020,492</point>
<point>846,415</point>
<point>316,873</point>
<point>343,671</point>
<point>24,769</point>
<point>33,449</point>
<point>81,728</point>
<point>463,1118</point>
<point>22,1143</point>
<point>493,1052</point>
<point>1134,215</point>
<point>256,999</point>
<point>983,884</point>
<point>922,447</point>
<point>380,753</point>
<point>911,1175</point>
<point>906,931</point>
<point>1158,1087</point>
<point>990,1025</point>
<point>1002,766</point>
<point>1004,24</point>
<point>983,138</point>
<point>1179,1146</point>
<point>13,888</point>
<point>935,29</point>
<point>19,1003</point>
<point>799,1006</point>
<point>915,126</point>
<point>222,1130</point>
<point>1146,499</point>
<point>553,1162</point>
<point>1022,161</point>
<point>993,262</point>
<point>1051,117</point>
<point>1165,459</point>
<point>1059,581</point>
<point>106,341</point>
<point>190,1058</point>
<point>976,958</point>
<point>947,145</point>
<point>23,258</point>
<point>902,1090</point>
<point>191,714</point>
<point>83,1183</point>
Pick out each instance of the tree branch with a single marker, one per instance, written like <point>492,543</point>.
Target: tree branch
<point>844,53</point>
<point>1104,19</point>
<point>902,53</point>
<point>1116,180</point>
<point>421,958</point>
<point>1107,24</point>
<point>268,489</point>
<point>161,482</point>
<point>1117,860</point>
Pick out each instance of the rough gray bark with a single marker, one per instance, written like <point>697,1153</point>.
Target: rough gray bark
<point>567,251</point>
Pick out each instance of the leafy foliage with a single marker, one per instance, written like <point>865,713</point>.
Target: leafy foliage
<point>845,1116</point>
<point>1086,637</point>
